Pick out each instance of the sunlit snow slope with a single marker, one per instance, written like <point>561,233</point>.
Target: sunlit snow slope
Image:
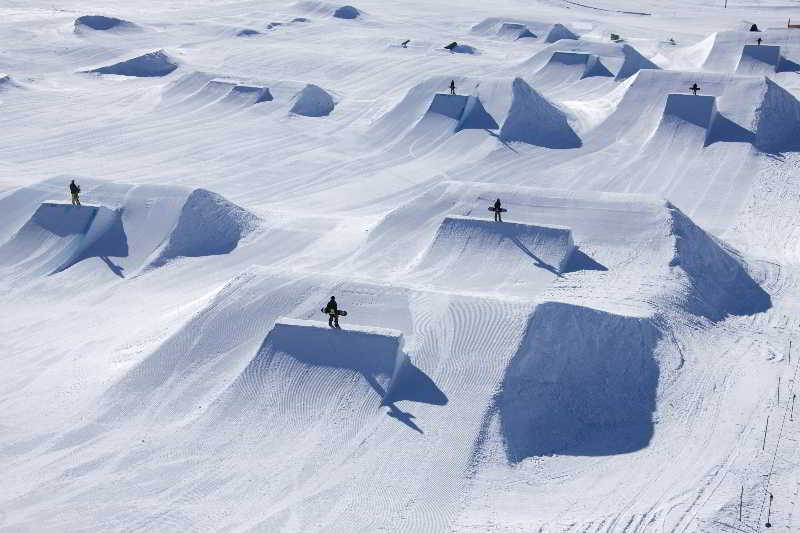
<point>619,354</point>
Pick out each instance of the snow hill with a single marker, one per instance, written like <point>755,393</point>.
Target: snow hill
<point>619,354</point>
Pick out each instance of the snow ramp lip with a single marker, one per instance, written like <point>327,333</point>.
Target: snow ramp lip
<point>150,65</point>
<point>590,64</point>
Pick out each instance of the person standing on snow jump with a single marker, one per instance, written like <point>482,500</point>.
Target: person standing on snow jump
<point>452,86</point>
<point>74,191</point>
<point>694,88</point>
<point>332,309</point>
<point>497,211</point>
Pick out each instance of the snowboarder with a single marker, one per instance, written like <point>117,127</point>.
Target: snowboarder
<point>333,315</point>
<point>452,86</point>
<point>74,191</point>
<point>759,41</point>
<point>694,88</point>
<point>497,211</point>
<point>404,44</point>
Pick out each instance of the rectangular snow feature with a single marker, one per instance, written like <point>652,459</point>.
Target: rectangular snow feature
<point>367,350</point>
<point>755,60</point>
<point>449,105</point>
<point>698,110</point>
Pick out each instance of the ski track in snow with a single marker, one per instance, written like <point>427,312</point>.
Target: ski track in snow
<point>604,361</point>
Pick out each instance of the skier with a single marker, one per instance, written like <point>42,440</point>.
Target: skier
<point>497,212</point>
<point>404,44</point>
<point>74,191</point>
<point>759,41</point>
<point>452,86</point>
<point>333,316</point>
<point>694,88</point>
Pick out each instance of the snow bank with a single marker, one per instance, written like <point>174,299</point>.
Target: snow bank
<point>633,63</point>
<point>58,236</point>
<point>208,225</point>
<point>312,101</point>
<point>532,119</point>
<point>480,253</point>
<point>582,383</point>
<point>759,60</point>
<point>101,23</point>
<point>153,64</point>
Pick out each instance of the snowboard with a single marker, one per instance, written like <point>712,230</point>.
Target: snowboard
<point>502,209</point>
<point>340,312</point>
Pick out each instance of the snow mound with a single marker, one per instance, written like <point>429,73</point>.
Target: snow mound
<point>633,63</point>
<point>515,31</point>
<point>759,60</point>
<point>312,101</point>
<point>484,254</point>
<point>101,23</point>
<point>583,382</point>
<point>58,236</point>
<point>532,119</point>
<point>464,49</point>
<point>346,12</point>
<point>154,64</point>
<point>247,32</point>
<point>6,82</point>
<point>559,32</point>
<point>585,65</point>
<point>208,225</point>
<point>237,92</point>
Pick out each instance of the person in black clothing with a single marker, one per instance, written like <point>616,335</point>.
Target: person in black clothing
<point>497,213</point>
<point>331,309</point>
<point>74,191</point>
<point>452,86</point>
<point>759,41</point>
<point>694,88</point>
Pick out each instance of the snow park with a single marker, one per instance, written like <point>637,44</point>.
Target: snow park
<point>421,266</point>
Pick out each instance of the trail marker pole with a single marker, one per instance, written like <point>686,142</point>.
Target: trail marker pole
<point>769,510</point>
<point>741,497</point>
<point>791,413</point>
<point>779,390</point>
<point>764,444</point>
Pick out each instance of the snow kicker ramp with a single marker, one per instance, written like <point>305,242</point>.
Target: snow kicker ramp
<point>759,60</point>
<point>567,67</point>
<point>144,227</point>
<point>59,235</point>
<point>153,64</point>
<point>486,255</point>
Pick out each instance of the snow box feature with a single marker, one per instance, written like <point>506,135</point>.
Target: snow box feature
<point>583,382</point>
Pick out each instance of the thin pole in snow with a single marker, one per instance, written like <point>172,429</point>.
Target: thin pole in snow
<point>791,413</point>
<point>764,444</point>
<point>741,497</point>
<point>769,510</point>
<point>779,390</point>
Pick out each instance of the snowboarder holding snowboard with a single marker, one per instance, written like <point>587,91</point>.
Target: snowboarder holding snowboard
<point>694,88</point>
<point>333,312</point>
<point>498,210</point>
<point>452,86</point>
<point>74,191</point>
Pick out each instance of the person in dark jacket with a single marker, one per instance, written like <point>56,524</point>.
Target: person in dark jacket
<point>694,88</point>
<point>452,86</point>
<point>74,191</point>
<point>331,309</point>
<point>497,213</point>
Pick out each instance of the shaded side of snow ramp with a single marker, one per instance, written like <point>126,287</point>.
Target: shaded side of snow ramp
<point>313,101</point>
<point>515,31</point>
<point>154,64</point>
<point>758,60</point>
<point>687,118</point>
<point>6,82</point>
<point>101,23</point>
<point>583,382</point>
<point>559,32</point>
<point>633,63</point>
<point>573,65</point>
<point>777,123</point>
<point>467,111</point>
<point>208,225</point>
<point>532,119</point>
<point>346,12</point>
<point>720,282</point>
<point>238,92</point>
<point>374,353</point>
<point>60,235</point>
<point>484,254</point>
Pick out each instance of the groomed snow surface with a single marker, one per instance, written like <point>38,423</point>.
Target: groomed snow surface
<point>619,354</point>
